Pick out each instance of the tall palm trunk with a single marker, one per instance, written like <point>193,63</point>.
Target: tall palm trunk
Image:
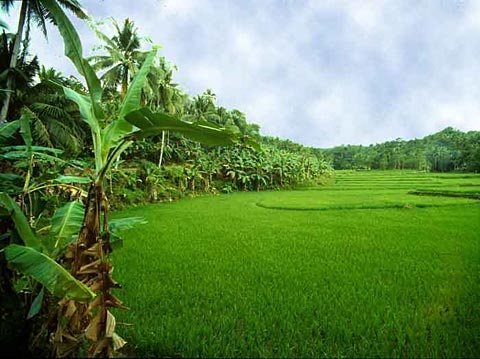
<point>161,150</point>
<point>125,83</point>
<point>13,61</point>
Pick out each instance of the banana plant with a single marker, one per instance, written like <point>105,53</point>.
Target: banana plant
<point>34,258</point>
<point>89,256</point>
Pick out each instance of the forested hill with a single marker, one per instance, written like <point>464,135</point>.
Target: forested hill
<point>444,151</point>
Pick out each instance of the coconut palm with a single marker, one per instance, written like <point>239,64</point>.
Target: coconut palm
<point>123,58</point>
<point>36,12</point>
<point>203,107</point>
<point>56,122</point>
<point>23,75</point>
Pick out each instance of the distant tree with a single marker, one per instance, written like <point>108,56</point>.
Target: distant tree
<point>123,58</point>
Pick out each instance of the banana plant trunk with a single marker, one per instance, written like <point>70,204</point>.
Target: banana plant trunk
<point>92,323</point>
<point>210,175</point>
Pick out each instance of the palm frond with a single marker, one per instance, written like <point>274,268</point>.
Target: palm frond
<point>3,24</point>
<point>40,133</point>
<point>75,7</point>
<point>48,110</point>
<point>37,13</point>
<point>6,5</point>
<point>63,137</point>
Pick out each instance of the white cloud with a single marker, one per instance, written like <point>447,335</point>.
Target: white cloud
<point>367,14</point>
<point>317,72</point>
<point>182,8</point>
<point>205,75</point>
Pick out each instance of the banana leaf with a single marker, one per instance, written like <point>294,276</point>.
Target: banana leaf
<point>115,226</point>
<point>8,129</point>
<point>151,124</point>
<point>10,177</point>
<point>67,221</point>
<point>39,149</point>
<point>36,304</point>
<point>21,222</point>
<point>45,270</point>
<point>72,179</point>
<point>74,51</point>
<point>121,224</point>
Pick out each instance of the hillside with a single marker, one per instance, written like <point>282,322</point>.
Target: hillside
<point>444,151</point>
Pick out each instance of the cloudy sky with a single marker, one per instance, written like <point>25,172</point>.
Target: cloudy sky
<point>321,73</point>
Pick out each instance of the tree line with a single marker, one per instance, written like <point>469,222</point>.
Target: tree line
<point>445,151</point>
<point>122,132</point>
<point>184,166</point>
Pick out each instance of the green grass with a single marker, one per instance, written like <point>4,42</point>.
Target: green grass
<point>224,277</point>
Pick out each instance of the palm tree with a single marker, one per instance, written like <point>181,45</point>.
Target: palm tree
<point>203,107</point>
<point>23,75</point>
<point>35,11</point>
<point>56,122</point>
<point>123,60</point>
<point>123,57</point>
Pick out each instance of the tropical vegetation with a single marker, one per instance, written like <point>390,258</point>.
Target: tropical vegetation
<point>122,134</point>
<point>445,151</point>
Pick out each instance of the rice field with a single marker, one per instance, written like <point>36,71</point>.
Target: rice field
<point>358,268</point>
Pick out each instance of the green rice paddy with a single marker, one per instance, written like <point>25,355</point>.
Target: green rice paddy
<point>358,268</point>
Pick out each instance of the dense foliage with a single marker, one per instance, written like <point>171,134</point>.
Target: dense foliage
<point>72,148</point>
<point>445,151</point>
<point>123,133</point>
<point>162,167</point>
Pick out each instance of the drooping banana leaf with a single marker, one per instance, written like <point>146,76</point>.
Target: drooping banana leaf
<point>33,148</point>
<point>18,155</point>
<point>48,272</point>
<point>116,226</point>
<point>8,129</point>
<point>84,104</point>
<point>121,224</point>
<point>21,222</point>
<point>3,24</point>
<point>151,124</point>
<point>36,304</point>
<point>10,177</point>
<point>67,221</point>
<point>74,51</point>
<point>72,179</point>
